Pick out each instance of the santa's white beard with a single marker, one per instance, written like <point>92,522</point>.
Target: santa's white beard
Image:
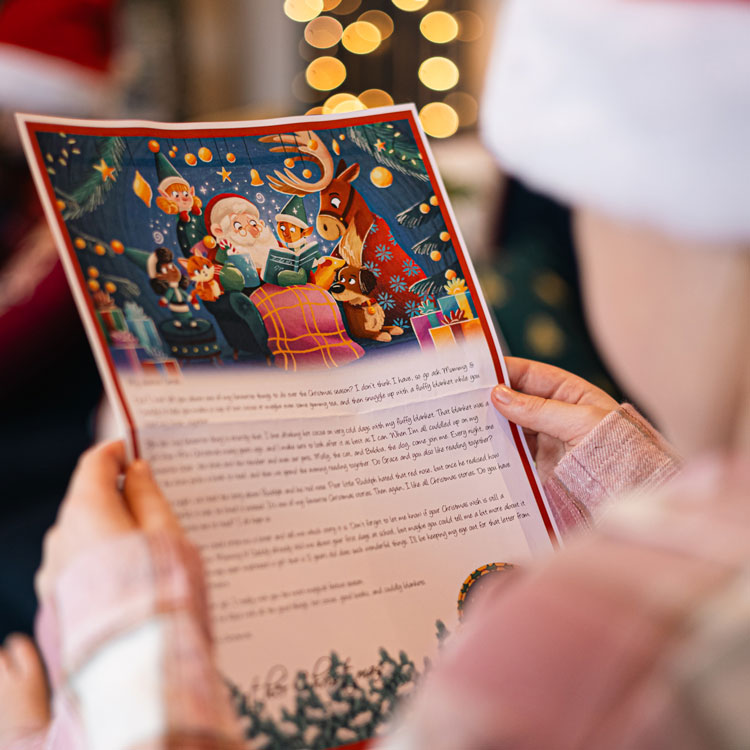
<point>256,248</point>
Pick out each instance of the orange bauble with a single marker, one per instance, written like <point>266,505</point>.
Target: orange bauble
<point>209,242</point>
<point>204,154</point>
<point>60,205</point>
<point>100,249</point>
<point>93,272</point>
<point>153,146</point>
<point>79,242</point>
<point>231,158</point>
<point>450,274</point>
<point>93,285</point>
<point>289,163</point>
<point>434,200</point>
<point>436,255</point>
<point>381,177</point>
<point>190,159</point>
<point>444,236</point>
<point>110,287</point>
<point>424,208</point>
<point>117,247</point>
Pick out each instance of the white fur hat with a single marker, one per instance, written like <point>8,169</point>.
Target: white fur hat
<point>637,108</point>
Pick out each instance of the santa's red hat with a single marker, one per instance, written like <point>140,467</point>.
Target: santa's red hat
<point>637,108</point>
<point>55,55</point>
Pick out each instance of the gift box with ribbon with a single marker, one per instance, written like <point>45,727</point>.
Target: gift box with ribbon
<point>143,328</point>
<point>456,329</point>
<point>458,298</point>
<point>111,320</point>
<point>126,351</point>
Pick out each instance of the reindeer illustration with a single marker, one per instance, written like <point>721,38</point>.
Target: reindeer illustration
<point>364,239</point>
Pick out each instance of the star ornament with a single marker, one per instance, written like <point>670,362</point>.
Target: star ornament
<point>225,174</point>
<point>380,145</point>
<point>107,172</point>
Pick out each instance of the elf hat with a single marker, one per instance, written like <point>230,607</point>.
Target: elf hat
<point>55,54</point>
<point>166,172</point>
<point>294,212</point>
<point>638,109</point>
<point>145,261</point>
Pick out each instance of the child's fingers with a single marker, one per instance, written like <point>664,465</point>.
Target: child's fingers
<point>146,501</point>
<point>95,478</point>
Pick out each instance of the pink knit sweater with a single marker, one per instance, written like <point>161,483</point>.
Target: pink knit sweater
<point>635,636</point>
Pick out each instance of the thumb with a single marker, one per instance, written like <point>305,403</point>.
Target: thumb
<point>563,421</point>
<point>146,501</point>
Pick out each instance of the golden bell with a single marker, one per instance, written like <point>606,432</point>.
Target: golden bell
<point>255,178</point>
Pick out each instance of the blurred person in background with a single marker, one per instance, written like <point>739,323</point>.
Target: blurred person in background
<point>54,59</point>
<point>637,635</point>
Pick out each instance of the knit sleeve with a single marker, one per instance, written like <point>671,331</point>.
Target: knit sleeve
<point>126,640</point>
<point>622,453</point>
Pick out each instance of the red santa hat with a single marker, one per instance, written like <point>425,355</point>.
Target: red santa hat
<point>637,108</point>
<point>55,55</point>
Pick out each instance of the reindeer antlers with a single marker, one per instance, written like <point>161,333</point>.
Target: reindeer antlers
<point>302,145</point>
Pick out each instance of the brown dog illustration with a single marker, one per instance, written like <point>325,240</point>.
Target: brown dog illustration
<point>364,315</point>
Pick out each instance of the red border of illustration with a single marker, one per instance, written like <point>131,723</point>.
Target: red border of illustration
<point>288,124</point>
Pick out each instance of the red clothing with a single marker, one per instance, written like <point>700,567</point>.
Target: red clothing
<point>395,272</point>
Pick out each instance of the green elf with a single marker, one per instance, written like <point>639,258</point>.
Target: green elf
<point>292,261</point>
<point>177,196</point>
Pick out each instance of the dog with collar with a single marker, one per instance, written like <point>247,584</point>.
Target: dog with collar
<point>353,287</point>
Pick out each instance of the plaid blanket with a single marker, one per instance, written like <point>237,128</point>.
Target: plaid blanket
<point>304,326</point>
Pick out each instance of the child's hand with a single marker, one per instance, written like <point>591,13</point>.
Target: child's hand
<point>555,408</point>
<point>94,509</point>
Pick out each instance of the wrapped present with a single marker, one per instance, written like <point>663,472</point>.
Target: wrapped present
<point>169,369</point>
<point>325,274</point>
<point>430,309</point>
<point>458,298</point>
<point>460,301</point>
<point>143,328</point>
<point>111,320</point>
<point>456,329</point>
<point>125,350</point>
<point>421,325</point>
<point>442,337</point>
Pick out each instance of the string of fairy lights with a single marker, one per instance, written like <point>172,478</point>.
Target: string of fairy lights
<point>331,25</point>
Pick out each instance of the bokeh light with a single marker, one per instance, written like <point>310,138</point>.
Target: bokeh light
<point>325,73</point>
<point>345,7</point>
<point>470,25</point>
<point>376,98</point>
<point>410,5</point>
<point>438,73</point>
<point>361,37</point>
<point>466,107</point>
<point>439,27</point>
<point>333,101</point>
<point>438,119</point>
<point>381,20</point>
<point>303,10</point>
<point>323,32</point>
<point>330,4</point>
<point>350,105</point>
<point>315,111</point>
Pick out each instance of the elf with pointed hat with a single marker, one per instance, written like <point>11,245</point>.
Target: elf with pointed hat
<point>296,256</point>
<point>177,196</point>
